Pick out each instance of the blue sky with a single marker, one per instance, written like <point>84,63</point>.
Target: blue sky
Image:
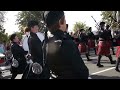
<point>71,18</point>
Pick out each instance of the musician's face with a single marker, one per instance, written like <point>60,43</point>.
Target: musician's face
<point>103,26</point>
<point>35,29</point>
<point>27,33</point>
<point>16,39</point>
<point>62,24</point>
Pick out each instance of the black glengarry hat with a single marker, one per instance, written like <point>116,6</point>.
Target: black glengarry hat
<point>51,17</point>
<point>102,23</point>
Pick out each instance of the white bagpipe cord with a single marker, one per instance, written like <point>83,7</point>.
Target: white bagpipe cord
<point>15,63</point>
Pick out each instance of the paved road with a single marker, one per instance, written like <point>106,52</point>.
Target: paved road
<point>107,72</point>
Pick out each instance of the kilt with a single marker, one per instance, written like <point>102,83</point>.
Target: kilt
<point>91,43</point>
<point>82,48</point>
<point>103,48</point>
<point>118,49</point>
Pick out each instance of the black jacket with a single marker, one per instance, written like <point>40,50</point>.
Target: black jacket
<point>90,35</point>
<point>103,34</point>
<point>82,38</point>
<point>63,57</point>
<point>35,47</point>
<point>18,54</point>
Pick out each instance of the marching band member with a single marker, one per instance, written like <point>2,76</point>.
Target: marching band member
<point>118,52</point>
<point>91,40</point>
<point>83,44</point>
<point>62,53</point>
<point>103,45</point>
<point>38,69</point>
<point>110,39</point>
<point>19,56</point>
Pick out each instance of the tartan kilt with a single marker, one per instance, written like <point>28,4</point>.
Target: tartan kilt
<point>82,48</point>
<point>103,48</point>
<point>91,43</point>
<point>118,51</point>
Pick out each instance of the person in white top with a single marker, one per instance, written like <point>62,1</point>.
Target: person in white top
<point>26,36</point>
<point>25,39</point>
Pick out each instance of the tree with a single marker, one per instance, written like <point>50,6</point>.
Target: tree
<point>109,18</point>
<point>3,35</point>
<point>2,17</point>
<point>19,34</point>
<point>78,26</point>
<point>24,17</point>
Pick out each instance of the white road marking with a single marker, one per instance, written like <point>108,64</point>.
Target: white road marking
<point>19,76</point>
<point>103,71</point>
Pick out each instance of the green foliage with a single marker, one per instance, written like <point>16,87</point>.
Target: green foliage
<point>24,17</point>
<point>19,34</point>
<point>78,26</point>
<point>106,17</point>
<point>3,35</point>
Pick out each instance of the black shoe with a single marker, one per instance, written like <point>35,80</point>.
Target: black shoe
<point>99,65</point>
<point>113,62</point>
<point>117,69</point>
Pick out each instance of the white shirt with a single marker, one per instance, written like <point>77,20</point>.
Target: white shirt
<point>25,40</point>
<point>40,36</point>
